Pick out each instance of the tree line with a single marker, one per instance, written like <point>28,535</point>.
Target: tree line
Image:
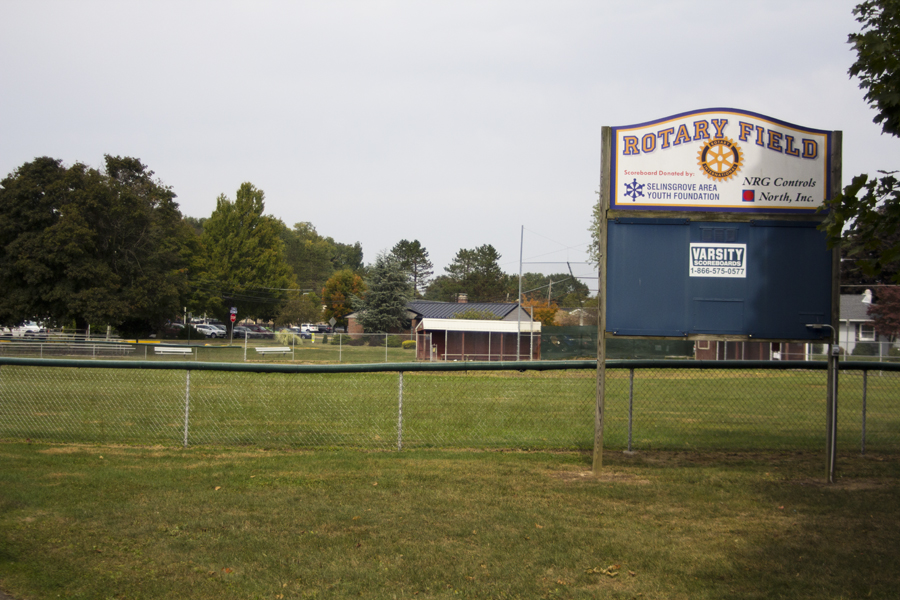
<point>82,246</point>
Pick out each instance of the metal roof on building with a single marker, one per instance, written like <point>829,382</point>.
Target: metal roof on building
<point>430,309</point>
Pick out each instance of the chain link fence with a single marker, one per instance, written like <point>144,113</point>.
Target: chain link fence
<point>530,405</point>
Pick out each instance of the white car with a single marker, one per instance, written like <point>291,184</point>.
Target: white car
<point>28,329</point>
<point>208,330</point>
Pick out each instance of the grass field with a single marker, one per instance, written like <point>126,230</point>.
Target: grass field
<point>95,522</point>
<point>672,409</point>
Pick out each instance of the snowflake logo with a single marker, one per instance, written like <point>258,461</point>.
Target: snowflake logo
<point>634,189</point>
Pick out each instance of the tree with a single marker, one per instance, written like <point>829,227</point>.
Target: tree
<point>443,288</point>
<point>478,274</point>
<point>886,312</point>
<point>413,259</point>
<point>338,294</point>
<point>542,311</point>
<point>877,63</point>
<point>300,308</point>
<point>104,248</point>
<point>383,309</point>
<point>309,255</point>
<point>867,222</point>
<point>245,264</point>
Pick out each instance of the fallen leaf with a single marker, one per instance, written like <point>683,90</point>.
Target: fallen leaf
<point>376,483</point>
<point>218,487</point>
<point>560,582</point>
<point>632,573</point>
<point>228,570</point>
<point>354,518</point>
<point>538,526</point>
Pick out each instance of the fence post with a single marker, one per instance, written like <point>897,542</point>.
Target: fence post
<point>385,346</point>
<point>187,406</point>
<point>865,382</point>
<point>400,415</point>
<point>630,404</point>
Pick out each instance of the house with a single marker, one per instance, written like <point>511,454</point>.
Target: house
<point>488,331</point>
<point>856,326</point>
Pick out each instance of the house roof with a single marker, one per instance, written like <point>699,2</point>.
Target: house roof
<point>853,309</point>
<point>430,309</point>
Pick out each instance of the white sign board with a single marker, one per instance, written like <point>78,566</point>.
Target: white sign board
<point>718,260</point>
<point>720,159</point>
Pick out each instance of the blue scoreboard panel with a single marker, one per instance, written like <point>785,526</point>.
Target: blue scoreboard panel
<point>764,279</point>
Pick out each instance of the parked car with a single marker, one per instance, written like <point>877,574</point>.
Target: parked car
<point>241,331</point>
<point>260,331</point>
<point>208,330</point>
<point>305,335</point>
<point>28,329</point>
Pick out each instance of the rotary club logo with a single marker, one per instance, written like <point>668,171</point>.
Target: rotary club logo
<point>720,159</point>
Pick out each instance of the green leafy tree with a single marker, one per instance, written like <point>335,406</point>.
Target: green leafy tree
<point>413,259</point>
<point>347,256</point>
<point>245,265</point>
<point>867,214</point>
<point>338,294</point>
<point>383,309</point>
<point>877,63</point>
<point>478,274</point>
<point>104,248</point>
<point>300,308</point>
<point>309,255</point>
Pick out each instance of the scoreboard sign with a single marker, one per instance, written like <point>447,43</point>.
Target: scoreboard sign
<point>720,159</point>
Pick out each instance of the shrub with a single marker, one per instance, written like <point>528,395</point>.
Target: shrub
<point>394,341</point>
<point>409,344</point>
<point>865,349</point>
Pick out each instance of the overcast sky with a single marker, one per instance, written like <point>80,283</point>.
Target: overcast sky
<point>454,123</point>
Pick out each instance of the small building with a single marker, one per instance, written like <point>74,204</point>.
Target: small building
<point>484,331</point>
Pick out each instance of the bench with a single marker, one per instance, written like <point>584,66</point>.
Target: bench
<point>173,350</point>
<point>274,350</point>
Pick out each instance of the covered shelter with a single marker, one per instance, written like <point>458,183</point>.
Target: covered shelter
<point>448,331</point>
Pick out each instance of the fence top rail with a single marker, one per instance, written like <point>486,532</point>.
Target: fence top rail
<point>544,365</point>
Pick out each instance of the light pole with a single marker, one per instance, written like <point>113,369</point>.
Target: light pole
<point>831,397</point>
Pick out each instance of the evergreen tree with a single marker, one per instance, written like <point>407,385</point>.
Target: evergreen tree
<point>413,259</point>
<point>477,274</point>
<point>383,309</point>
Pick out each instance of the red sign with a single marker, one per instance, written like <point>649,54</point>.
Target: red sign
<point>233,317</point>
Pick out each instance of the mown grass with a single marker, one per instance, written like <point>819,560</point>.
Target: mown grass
<point>81,521</point>
<point>672,409</point>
